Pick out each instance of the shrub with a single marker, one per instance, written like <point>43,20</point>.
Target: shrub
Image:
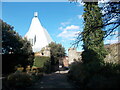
<point>78,74</point>
<point>37,76</point>
<point>95,75</point>
<point>28,69</point>
<point>97,81</point>
<point>100,81</point>
<point>75,68</point>
<point>19,80</point>
<point>47,67</point>
<point>110,69</point>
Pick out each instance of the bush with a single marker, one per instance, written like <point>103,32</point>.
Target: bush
<point>36,76</point>
<point>75,69</point>
<point>95,75</point>
<point>78,74</point>
<point>100,81</point>
<point>47,67</point>
<point>110,69</point>
<point>19,80</point>
<point>97,81</point>
<point>14,61</point>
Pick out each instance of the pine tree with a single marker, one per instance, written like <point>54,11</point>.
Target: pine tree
<point>92,37</point>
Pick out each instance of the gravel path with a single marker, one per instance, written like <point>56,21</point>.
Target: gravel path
<point>54,80</point>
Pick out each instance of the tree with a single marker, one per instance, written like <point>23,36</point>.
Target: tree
<point>107,21</point>
<point>111,16</point>
<point>57,52</point>
<point>15,50</point>
<point>92,38</point>
<point>12,42</point>
<point>90,71</point>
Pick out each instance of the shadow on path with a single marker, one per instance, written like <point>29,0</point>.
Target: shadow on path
<point>54,80</point>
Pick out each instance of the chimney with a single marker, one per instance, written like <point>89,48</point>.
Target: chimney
<point>35,14</point>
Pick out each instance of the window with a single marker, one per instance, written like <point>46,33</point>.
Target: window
<point>42,53</point>
<point>31,41</point>
<point>34,39</point>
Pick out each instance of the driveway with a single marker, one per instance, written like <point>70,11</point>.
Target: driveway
<point>54,80</point>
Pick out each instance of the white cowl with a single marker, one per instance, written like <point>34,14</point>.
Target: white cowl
<point>37,35</point>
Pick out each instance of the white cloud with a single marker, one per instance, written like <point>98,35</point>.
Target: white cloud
<point>69,32</point>
<point>72,27</point>
<point>113,20</point>
<point>65,23</point>
<point>102,1</point>
<point>99,1</point>
<point>73,39</point>
<point>80,3</point>
<point>80,16</point>
<point>115,33</point>
<point>60,28</point>
<point>111,41</point>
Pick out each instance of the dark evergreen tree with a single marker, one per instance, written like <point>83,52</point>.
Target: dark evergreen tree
<point>92,38</point>
<point>110,16</point>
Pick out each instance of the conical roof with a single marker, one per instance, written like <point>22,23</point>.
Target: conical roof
<point>37,35</point>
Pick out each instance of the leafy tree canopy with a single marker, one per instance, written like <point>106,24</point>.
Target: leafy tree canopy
<point>16,50</point>
<point>12,42</point>
<point>57,51</point>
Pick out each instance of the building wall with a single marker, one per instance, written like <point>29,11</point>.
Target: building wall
<point>65,61</point>
<point>73,55</point>
<point>44,52</point>
<point>113,53</point>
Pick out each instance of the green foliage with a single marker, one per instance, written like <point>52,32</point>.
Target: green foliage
<point>16,50</point>
<point>43,63</point>
<point>36,77</point>
<point>12,42</point>
<point>11,61</point>
<point>78,74</point>
<point>110,69</point>
<point>57,51</point>
<point>92,37</point>
<point>107,77</point>
<point>94,52</point>
<point>95,75</point>
<point>47,67</point>
<point>39,61</point>
<point>93,72</point>
<point>75,69</point>
<point>18,80</point>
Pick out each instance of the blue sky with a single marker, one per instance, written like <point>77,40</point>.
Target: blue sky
<point>63,20</point>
